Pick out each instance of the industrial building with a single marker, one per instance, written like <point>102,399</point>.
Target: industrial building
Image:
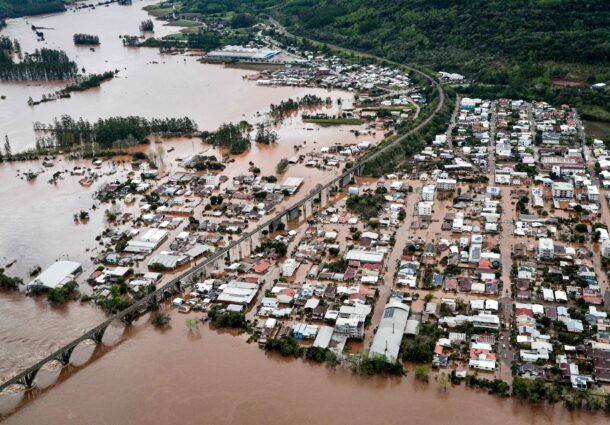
<point>364,256</point>
<point>243,53</point>
<point>148,242</point>
<point>57,275</point>
<point>291,185</point>
<point>390,331</point>
<point>236,292</point>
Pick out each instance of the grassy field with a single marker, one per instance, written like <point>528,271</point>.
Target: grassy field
<point>326,122</point>
<point>597,129</point>
<point>183,23</point>
<point>594,113</point>
<point>157,11</point>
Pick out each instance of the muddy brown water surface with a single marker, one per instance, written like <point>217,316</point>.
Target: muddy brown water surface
<point>174,376</point>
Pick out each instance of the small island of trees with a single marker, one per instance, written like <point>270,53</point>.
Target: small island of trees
<point>86,39</point>
<point>287,107</point>
<point>43,64</point>
<point>232,136</point>
<point>106,132</point>
<point>147,26</point>
<point>265,135</point>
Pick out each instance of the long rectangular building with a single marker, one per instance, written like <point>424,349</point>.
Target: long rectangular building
<point>243,53</point>
<point>57,275</point>
<point>390,331</point>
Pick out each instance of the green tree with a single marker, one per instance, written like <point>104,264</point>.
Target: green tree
<point>161,320</point>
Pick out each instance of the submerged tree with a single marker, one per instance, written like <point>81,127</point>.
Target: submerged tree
<point>281,166</point>
<point>86,39</point>
<point>7,148</point>
<point>43,64</point>
<point>147,26</point>
<point>265,135</point>
<point>192,324</point>
<point>161,320</point>
<point>233,136</point>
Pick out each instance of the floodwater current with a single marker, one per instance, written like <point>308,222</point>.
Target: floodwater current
<point>206,377</point>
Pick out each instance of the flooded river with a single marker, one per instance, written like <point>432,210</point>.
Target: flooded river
<point>149,84</point>
<point>208,377</point>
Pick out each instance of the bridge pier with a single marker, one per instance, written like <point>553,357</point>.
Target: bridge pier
<point>153,304</point>
<point>129,317</point>
<point>27,380</point>
<point>246,247</point>
<point>309,210</point>
<point>64,356</point>
<point>207,270</point>
<point>98,335</point>
<point>359,170</point>
<point>293,214</point>
<point>278,224</point>
<point>234,254</point>
<point>324,198</point>
<point>255,240</point>
<point>346,180</point>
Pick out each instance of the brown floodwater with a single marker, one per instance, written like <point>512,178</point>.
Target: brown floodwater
<point>149,84</point>
<point>31,329</point>
<point>209,377</point>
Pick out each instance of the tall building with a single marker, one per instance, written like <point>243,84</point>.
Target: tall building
<point>546,248</point>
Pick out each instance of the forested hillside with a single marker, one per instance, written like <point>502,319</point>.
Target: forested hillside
<point>15,8</point>
<point>518,46</point>
<point>562,30</point>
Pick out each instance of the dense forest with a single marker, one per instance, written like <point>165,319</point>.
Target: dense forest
<point>446,31</point>
<point>43,64</point>
<point>105,132</point>
<point>16,8</point>
<point>516,46</point>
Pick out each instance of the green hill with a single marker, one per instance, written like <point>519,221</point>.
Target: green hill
<point>16,8</point>
<point>508,47</point>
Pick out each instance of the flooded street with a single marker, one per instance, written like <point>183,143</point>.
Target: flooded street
<point>208,377</point>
